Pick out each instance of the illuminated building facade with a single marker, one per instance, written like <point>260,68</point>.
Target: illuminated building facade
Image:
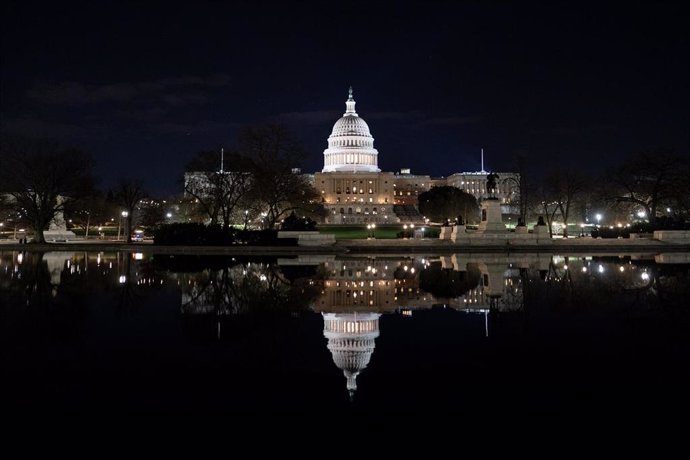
<point>355,191</point>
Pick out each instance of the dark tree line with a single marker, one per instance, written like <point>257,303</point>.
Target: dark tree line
<point>257,182</point>
<point>42,179</point>
<point>648,184</point>
<point>447,203</point>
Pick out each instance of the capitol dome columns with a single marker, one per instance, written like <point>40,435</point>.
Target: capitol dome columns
<point>350,145</point>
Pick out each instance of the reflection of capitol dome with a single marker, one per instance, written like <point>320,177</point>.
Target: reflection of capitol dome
<point>350,145</point>
<point>351,341</point>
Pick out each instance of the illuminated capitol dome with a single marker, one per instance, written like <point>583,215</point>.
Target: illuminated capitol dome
<point>351,342</point>
<point>350,145</point>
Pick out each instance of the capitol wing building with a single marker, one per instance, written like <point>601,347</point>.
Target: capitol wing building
<point>355,191</point>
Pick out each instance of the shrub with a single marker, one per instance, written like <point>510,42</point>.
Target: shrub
<point>192,234</point>
<point>298,224</point>
<point>189,234</point>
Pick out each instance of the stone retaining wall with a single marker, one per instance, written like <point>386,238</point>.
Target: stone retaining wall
<point>309,238</point>
<point>673,236</point>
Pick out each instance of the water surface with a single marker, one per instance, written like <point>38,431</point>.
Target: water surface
<point>105,333</point>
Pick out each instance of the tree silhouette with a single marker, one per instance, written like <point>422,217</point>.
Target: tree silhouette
<point>441,203</point>
<point>651,179</point>
<point>42,177</point>
<point>218,192</point>
<point>128,193</point>
<point>446,283</point>
<point>278,185</point>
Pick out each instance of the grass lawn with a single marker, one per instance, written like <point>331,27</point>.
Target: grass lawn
<point>357,232</point>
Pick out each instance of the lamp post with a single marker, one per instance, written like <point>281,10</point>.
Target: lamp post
<point>127,230</point>
<point>598,217</point>
<point>124,215</point>
<point>371,231</point>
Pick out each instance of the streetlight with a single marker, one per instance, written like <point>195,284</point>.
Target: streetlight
<point>119,222</point>
<point>168,215</point>
<point>125,237</point>
<point>598,217</point>
<point>371,228</point>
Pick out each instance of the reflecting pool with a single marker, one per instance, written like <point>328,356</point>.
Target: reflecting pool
<point>104,333</point>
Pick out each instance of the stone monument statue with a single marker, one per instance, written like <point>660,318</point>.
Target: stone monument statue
<point>491,184</point>
<point>57,231</point>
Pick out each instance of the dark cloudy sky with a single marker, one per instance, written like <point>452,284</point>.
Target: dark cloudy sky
<point>145,85</point>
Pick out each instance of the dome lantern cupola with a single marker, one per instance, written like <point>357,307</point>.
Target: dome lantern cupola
<point>350,104</point>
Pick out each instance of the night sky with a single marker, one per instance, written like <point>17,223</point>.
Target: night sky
<point>143,87</point>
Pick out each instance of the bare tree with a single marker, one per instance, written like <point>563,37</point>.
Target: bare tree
<point>42,177</point>
<point>650,179</point>
<point>568,188</point>
<point>128,193</point>
<point>87,211</point>
<point>278,185</point>
<point>522,182</point>
<point>218,186</point>
<point>547,204</point>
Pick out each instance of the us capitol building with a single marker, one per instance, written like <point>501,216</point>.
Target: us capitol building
<point>354,190</point>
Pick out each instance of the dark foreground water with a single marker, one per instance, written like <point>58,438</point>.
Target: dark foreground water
<point>107,333</point>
